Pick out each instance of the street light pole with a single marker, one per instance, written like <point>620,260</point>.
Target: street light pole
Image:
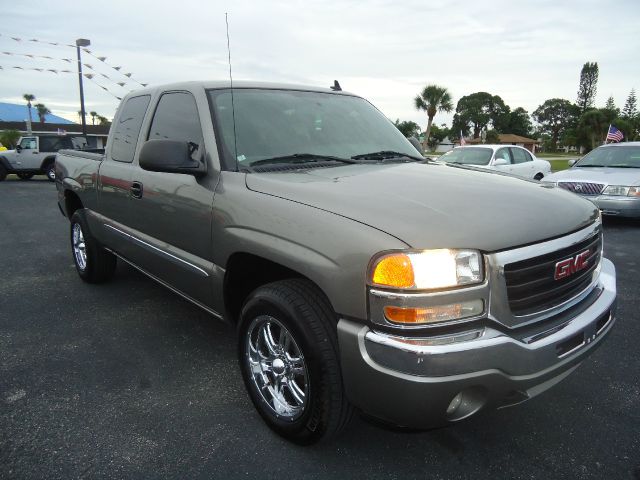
<point>82,42</point>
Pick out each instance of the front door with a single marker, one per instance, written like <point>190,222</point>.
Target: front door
<point>27,158</point>
<point>172,211</point>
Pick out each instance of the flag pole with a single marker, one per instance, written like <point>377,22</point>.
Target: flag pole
<point>607,136</point>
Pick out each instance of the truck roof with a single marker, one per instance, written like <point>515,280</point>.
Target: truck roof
<point>217,84</point>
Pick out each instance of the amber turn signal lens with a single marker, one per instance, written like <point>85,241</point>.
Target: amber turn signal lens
<point>421,315</point>
<point>394,271</point>
<point>436,313</point>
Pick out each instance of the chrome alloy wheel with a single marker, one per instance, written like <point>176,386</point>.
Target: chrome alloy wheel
<point>277,367</point>
<point>79,247</point>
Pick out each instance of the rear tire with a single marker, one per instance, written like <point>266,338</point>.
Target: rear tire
<point>50,171</point>
<point>93,263</point>
<point>289,358</point>
<point>25,176</point>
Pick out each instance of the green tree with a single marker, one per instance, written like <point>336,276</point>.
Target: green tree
<point>629,110</point>
<point>518,122</point>
<point>588,86</point>
<point>42,111</point>
<point>29,97</point>
<point>492,136</point>
<point>407,128</point>
<point>555,116</point>
<point>433,99</point>
<point>593,125</point>
<point>477,111</point>
<point>437,135</point>
<point>9,138</point>
<point>103,120</point>
<point>93,117</point>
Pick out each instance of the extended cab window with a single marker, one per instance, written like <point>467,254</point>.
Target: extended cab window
<point>127,128</point>
<point>176,118</point>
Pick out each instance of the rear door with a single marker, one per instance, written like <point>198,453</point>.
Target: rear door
<point>114,184</point>
<point>522,162</point>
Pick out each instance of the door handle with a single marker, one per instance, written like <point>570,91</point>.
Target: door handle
<point>136,190</point>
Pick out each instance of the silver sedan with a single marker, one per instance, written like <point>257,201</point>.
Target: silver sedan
<point>609,176</point>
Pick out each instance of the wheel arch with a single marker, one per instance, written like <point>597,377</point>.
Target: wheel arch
<point>47,161</point>
<point>72,203</point>
<point>245,272</point>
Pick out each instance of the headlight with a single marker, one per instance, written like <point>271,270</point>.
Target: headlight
<point>622,191</point>
<point>427,270</point>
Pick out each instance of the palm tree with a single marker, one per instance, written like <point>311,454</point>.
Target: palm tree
<point>433,99</point>
<point>43,111</point>
<point>93,117</point>
<point>29,97</point>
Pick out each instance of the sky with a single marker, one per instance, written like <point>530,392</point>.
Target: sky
<point>525,51</point>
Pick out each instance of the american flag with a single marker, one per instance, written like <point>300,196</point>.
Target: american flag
<point>614,134</point>
<point>462,142</point>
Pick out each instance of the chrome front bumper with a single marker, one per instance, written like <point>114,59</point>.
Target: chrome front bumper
<point>433,381</point>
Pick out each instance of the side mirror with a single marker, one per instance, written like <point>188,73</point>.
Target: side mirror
<point>169,156</point>
<point>572,162</point>
<point>416,144</point>
<point>498,162</point>
<point>18,148</point>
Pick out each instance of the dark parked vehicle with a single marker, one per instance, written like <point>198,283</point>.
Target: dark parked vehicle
<point>356,274</point>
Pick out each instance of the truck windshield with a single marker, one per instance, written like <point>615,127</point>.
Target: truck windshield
<point>291,126</point>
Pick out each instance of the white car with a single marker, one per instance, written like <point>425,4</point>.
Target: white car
<point>509,159</point>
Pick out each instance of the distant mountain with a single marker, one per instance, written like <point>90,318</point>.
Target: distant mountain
<point>11,112</point>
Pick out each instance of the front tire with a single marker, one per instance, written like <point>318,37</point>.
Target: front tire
<point>288,351</point>
<point>25,176</point>
<point>93,263</point>
<point>3,172</point>
<point>50,171</point>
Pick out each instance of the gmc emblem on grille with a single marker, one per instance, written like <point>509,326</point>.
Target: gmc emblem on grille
<point>566,268</point>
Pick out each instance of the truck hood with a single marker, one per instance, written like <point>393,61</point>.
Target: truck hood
<point>435,206</point>
<point>605,175</point>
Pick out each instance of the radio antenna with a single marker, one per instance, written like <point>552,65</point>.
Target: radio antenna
<point>233,107</point>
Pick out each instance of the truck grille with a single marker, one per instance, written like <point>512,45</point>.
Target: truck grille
<point>532,286</point>
<point>582,188</point>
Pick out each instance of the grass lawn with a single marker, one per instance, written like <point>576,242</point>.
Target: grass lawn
<point>559,164</point>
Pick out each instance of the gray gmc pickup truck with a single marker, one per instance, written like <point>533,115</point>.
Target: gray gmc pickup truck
<point>358,275</point>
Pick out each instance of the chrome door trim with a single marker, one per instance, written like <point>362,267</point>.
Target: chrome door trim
<point>201,271</point>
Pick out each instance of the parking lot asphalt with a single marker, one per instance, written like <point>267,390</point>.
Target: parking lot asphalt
<point>127,380</point>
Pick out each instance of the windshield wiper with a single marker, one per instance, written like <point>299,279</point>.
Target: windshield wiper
<point>385,155</point>
<point>584,166</point>
<point>300,158</point>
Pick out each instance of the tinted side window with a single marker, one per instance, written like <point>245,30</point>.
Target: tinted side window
<point>53,144</point>
<point>503,153</point>
<point>519,155</point>
<point>176,118</point>
<point>127,128</point>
